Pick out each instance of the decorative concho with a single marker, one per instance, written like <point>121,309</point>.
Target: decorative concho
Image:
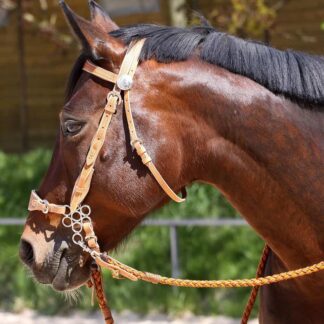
<point>124,82</point>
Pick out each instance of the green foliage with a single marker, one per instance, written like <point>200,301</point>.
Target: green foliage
<point>205,253</point>
<point>245,18</point>
<point>20,174</point>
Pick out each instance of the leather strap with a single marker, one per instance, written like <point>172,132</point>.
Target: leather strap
<point>99,72</point>
<point>90,237</point>
<point>123,82</point>
<point>128,68</point>
<point>36,203</point>
<point>158,177</point>
<point>83,182</point>
<point>141,151</point>
<point>134,140</point>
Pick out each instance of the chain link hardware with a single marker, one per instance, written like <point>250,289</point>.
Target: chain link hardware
<point>75,221</point>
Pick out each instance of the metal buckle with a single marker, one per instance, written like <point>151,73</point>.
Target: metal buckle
<point>89,237</point>
<point>137,140</point>
<point>46,205</point>
<point>116,94</point>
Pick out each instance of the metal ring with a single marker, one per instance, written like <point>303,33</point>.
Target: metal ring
<point>76,219</point>
<point>85,210</point>
<point>65,224</point>
<point>77,227</point>
<point>87,219</point>
<point>75,236</point>
<point>67,207</point>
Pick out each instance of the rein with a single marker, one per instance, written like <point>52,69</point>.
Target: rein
<point>77,216</point>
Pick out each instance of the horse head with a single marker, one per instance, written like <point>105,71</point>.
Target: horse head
<point>122,190</point>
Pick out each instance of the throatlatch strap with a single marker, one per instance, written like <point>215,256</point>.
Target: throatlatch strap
<point>141,151</point>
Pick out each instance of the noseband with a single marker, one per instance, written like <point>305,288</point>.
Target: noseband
<point>123,82</point>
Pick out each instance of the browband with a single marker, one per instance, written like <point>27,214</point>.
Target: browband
<point>123,82</point>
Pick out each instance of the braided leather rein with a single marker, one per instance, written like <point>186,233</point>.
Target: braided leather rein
<point>77,216</point>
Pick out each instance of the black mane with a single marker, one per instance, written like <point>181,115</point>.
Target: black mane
<point>296,75</point>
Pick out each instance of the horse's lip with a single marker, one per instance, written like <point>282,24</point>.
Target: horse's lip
<point>60,280</point>
<point>46,273</point>
<point>67,274</point>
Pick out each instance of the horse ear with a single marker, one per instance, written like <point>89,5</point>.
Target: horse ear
<point>100,18</point>
<point>95,42</point>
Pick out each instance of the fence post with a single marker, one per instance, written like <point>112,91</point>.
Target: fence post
<point>177,13</point>
<point>174,252</point>
<point>23,109</point>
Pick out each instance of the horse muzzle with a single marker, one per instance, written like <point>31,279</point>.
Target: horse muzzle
<point>54,263</point>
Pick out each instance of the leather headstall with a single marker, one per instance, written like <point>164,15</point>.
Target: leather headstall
<point>122,82</point>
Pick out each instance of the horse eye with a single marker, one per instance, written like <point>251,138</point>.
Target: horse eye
<point>71,127</point>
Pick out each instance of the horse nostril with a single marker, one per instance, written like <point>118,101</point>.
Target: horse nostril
<point>26,252</point>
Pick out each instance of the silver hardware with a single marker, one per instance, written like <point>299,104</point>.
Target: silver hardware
<point>75,221</point>
<point>91,237</point>
<point>116,94</point>
<point>124,82</point>
<point>77,227</point>
<point>77,238</point>
<point>46,206</point>
<point>86,210</point>
<point>66,221</point>
<point>67,209</point>
<point>76,216</point>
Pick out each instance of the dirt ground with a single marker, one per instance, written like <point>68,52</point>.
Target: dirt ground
<point>30,317</point>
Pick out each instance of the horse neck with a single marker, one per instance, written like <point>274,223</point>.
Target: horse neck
<point>263,153</point>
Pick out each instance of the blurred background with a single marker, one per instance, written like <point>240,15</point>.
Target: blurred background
<point>36,54</point>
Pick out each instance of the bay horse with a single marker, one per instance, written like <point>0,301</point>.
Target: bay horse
<point>210,107</point>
